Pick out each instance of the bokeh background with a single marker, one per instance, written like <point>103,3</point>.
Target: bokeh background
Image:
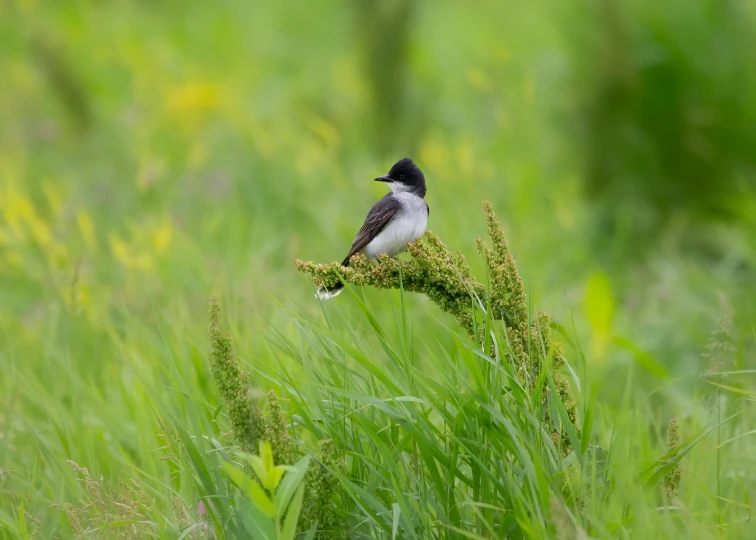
<point>152,153</point>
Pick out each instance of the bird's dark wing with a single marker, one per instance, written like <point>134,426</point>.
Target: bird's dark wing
<point>378,217</point>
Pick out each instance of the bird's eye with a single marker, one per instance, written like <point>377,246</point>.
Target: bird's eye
<point>401,177</point>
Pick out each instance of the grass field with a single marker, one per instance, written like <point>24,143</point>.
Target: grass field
<point>153,154</point>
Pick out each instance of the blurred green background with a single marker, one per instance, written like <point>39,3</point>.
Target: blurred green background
<point>152,153</point>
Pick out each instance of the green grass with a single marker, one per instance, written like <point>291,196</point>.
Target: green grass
<point>207,149</point>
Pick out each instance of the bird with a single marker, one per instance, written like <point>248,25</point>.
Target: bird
<point>400,217</point>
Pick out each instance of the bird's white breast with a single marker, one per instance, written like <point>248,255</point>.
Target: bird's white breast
<point>407,226</point>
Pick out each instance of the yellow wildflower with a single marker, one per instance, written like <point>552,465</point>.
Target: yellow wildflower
<point>120,250</point>
<point>479,80</point>
<point>161,240</point>
<point>54,199</point>
<point>325,130</point>
<point>87,230</point>
<point>434,153</point>
<point>190,98</point>
<point>40,232</point>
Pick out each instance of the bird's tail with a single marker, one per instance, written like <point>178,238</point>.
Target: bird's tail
<point>326,293</point>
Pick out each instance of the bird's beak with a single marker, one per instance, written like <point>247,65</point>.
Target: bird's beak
<point>384,179</point>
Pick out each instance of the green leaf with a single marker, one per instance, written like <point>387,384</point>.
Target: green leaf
<point>250,489</point>
<point>728,441</point>
<point>289,485</point>
<point>379,372</point>
<point>395,525</point>
<point>255,523</point>
<point>585,432</point>
<point>199,464</point>
<point>289,529</point>
<point>9,526</point>
<point>187,531</point>
<point>266,454</point>
<point>311,533</point>
<point>371,506</point>
<point>644,360</point>
<point>22,521</point>
<point>599,303</point>
<point>654,475</point>
<point>464,533</point>
<point>729,388</point>
<point>120,523</point>
<point>205,485</point>
<point>599,308</point>
<point>274,477</point>
<point>258,466</point>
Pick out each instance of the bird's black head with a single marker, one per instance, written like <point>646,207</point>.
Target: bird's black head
<point>405,176</point>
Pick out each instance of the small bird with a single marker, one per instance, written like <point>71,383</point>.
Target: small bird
<point>397,219</point>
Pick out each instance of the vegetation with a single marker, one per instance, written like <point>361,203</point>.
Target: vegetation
<point>154,154</point>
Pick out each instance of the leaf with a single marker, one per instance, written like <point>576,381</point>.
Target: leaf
<point>251,490</point>
<point>395,525</point>
<point>289,529</point>
<point>120,523</point>
<point>22,521</point>
<point>258,466</point>
<point>599,308</point>
<point>728,441</point>
<point>730,388</point>
<point>726,373</point>
<point>9,526</point>
<point>197,461</point>
<point>644,360</point>
<point>274,477</point>
<point>205,483</point>
<point>463,532</point>
<point>371,506</point>
<point>585,432</point>
<point>266,454</point>
<point>379,372</point>
<point>189,529</point>
<point>311,533</point>
<point>255,523</point>
<point>654,475</point>
<point>289,484</point>
<point>599,303</point>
